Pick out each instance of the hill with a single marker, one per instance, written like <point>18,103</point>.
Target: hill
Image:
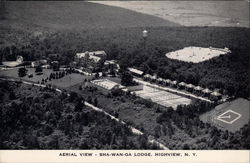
<point>76,15</point>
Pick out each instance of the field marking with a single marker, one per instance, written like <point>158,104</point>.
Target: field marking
<point>220,117</point>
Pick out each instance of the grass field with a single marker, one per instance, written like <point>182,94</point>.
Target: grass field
<point>69,80</point>
<point>13,73</point>
<point>163,98</point>
<point>229,116</point>
<point>66,81</point>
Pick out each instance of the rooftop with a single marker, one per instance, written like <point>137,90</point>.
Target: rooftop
<point>95,55</point>
<point>107,84</point>
<point>139,72</point>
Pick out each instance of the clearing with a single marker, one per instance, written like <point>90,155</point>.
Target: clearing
<point>196,54</point>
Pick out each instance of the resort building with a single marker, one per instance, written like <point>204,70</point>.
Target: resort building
<point>136,72</point>
<point>90,61</point>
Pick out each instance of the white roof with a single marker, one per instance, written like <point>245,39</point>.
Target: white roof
<point>207,90</point>
<point>99,53</point>
<point>216,94</point>
<point>95,58</point>
<point>167,80</point>
<point>182,84</point>
<point>109,62</point>
<point>198,88</point>
<point>190,86</point>
<point>92,55</point>
<point>173,82</point>
<point>107,84</point>
<point>160,79</point>
<point>135,71</point>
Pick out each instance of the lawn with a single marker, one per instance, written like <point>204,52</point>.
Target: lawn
<point>69,80</point>
<point>66,81</point>
<point>229,116</point>
<point>13,73</point>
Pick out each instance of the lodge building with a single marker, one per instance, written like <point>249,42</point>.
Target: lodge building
<point>90,61</point>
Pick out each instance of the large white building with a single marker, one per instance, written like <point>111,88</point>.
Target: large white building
<point>90,60</point>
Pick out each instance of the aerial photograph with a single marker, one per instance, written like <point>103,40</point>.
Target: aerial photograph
<point>124,75</point>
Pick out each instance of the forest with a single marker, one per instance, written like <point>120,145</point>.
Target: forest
<point>229,73</point>
<point>40,118</point>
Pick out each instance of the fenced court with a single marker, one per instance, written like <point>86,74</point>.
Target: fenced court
<point>162,97</point>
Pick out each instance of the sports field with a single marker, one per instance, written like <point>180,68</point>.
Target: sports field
<point>162,97</point>
<point>196,54</point>
<point>229,116</point>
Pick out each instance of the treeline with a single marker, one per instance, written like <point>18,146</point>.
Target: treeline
<point>40,118</point>
<point>229,73</point>
<point>206,136</point>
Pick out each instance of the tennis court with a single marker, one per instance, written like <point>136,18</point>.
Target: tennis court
<point>162,97</point>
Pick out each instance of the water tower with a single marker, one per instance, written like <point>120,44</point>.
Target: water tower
<point>144,35</point>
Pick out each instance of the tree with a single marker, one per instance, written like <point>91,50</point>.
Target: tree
<point>89,99</point>
<point>12,95</point>
<point>22,72</point>
<point>186,147</point>
<point>96,75</point>
<point>39,69</point>
<point>126,79</point>
<point>95,102</point>
<point>80,104</point>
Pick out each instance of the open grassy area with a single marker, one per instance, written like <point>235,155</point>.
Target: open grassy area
<point>13,73</point>
<point>69,80</point>
<point>229,116</point>
<point>66,81</point>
